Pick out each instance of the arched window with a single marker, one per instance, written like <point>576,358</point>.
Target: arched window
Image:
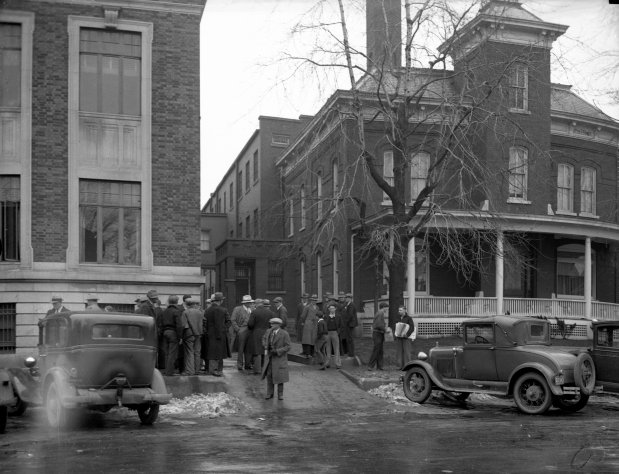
<point>420,168</point>
<point>587,191</point>
<point>565,188</point>
<point>518,174</point>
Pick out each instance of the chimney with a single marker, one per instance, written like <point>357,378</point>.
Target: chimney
<point>384,38</point>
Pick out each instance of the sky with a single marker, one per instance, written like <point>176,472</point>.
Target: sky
<point>246,68</point>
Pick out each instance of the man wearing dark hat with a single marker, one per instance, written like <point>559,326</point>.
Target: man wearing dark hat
<point>172,333</point>
<point>258,324</point>
<point>300,307</point>
<point>57,306</point>
<point>276,342</point>
<point>349,323</point>
<point>217,324</point>
<point>280,311</point>
<point>148,307</point>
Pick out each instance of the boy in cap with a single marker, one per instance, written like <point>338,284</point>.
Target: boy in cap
<point>276,343</point>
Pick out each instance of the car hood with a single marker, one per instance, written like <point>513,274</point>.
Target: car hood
<point>564,356</point>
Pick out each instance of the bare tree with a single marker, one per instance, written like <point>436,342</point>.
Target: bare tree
<point>443,112</point>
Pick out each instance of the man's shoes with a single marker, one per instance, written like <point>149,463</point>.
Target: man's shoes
<point>268,397</point>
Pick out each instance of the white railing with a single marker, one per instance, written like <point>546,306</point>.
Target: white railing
<point>438,306</point>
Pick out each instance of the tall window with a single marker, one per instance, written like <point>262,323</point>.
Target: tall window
<point>302,271</point>
<point>290,216</point>
<point>420,168</point>
<point>247,180</point>
<point>224,201</point>
<point>335,182</point>
<point>110,71</point>
<point>518,171</point>
<point>256,228</point>
<point>319,274</point>
<point>8,314</point>
<point>387,171</point>
<point>302,204</point>
<point>10,202</point>
<point>335,268</point>
<point>519,87</point>
<point>319,196</point>
<point>231,196</point>
<point>275,276</point>
<point>110,222</point>
<point>255,166</point>
<point>239,232</point>
<point>205,240</point>
<point>565,188</point>
<point>587,191</point>
<point>239,184</point>
<point>247,227</point>
<point>10,65</point>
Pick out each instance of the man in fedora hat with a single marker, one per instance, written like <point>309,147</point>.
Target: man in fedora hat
<point>349,323</point>
<point>57,306</point>
<point>300,307</point>
<point>258,324</point>
<point>92,303</point>
<point>148,307</point>
<point>217,324</point>
<point>276,342</point>
<point>240,318</point>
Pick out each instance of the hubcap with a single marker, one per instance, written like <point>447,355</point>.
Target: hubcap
<point>534,394</point>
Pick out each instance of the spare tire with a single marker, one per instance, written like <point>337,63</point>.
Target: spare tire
<point>584,373</point>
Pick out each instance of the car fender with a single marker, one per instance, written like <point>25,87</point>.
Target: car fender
<point>435,377</point>
<point>26,385</point>
<point>535,367</point>
<point>158,383</point>
<point>7,397</point>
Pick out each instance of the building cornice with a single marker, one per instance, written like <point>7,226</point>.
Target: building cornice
<point>149,5</point>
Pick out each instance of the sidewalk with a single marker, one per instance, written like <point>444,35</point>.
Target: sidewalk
<point>232,380</point>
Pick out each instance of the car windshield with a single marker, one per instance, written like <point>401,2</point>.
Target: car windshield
<point>116,331</point>
<point>537,333</point>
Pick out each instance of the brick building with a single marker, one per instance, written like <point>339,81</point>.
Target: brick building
<point>246,250</point>
<point>549,177</point>
<point>99,155</point>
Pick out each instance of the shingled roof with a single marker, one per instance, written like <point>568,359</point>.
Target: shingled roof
<point>563,100</point>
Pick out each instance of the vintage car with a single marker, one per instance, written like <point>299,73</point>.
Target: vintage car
<point>605,354</point>
<point>507,356</point>
<point>95,360</point>
<point>15,378</point>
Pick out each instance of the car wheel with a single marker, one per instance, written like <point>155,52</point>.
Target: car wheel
<point>148,413</point>
<point>532,394</point>
<point>56,413</point>
<point>584,373</point>
<point>571,404</point>
<point>3,417</point>
<point>417,385</point>
<point>19,408</point>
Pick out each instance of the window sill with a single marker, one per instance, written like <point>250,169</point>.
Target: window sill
<point>565,213</point>
<point>520,111</point>
<point>590,216</point>
<point>517,201</point>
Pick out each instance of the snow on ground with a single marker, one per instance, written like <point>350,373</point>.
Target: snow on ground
<point>198,405</point>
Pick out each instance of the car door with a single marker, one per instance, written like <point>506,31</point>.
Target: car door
<point>479,352</point>
<point>606,357</point>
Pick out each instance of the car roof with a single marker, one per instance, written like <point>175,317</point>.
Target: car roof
<point>606,322</point>
<point>99,316</point>
<point>503,320</point>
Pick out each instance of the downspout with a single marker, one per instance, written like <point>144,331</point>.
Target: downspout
<point>410,282</point>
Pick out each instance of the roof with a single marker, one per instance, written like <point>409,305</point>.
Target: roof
<point>508,9</point>
<point>432,83</point>
<point>563,100</point>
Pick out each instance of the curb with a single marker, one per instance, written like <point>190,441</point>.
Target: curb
<point>368,383</point>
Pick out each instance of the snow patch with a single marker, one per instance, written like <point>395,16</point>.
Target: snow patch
<point>198,405</point>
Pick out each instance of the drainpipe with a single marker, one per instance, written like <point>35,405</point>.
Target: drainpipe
<point>588,277</point>
<point>499,267</point>
<point>352,264</point>
<point>410,283</point>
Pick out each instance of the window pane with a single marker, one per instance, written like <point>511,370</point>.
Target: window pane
<point>109,236</point>
<point>10,65</point>
<point>10,209</point>
<point>110,85</point>
<point>89,93</point>
<point>88,234</point>
<point>131,237</point>
<point>131,86</point>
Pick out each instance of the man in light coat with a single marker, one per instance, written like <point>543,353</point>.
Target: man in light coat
<point>276,343</point>
<point>192,324</point>
<point>240,318</point>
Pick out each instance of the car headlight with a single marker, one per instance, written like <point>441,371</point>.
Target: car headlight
<point>422,356</point>
<point>73,372</point>
<point>559,379</point>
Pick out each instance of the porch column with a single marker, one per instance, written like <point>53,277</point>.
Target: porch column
<point>410,282</point>
<point>588,277</point>
<point>499,265</point>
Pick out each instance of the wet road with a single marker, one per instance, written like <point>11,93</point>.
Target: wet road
<point>325,424</point>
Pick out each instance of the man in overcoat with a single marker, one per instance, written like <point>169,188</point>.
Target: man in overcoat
<point>57,306</point>
<point>217,324</point>
<point>240,318</point>
<point>258,324</point>
<point>300,307</point>
<point>348,313</point>
<point>280,311</point>
<point>276,342</point>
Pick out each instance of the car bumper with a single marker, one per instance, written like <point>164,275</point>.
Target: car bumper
<point>110,397</point>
